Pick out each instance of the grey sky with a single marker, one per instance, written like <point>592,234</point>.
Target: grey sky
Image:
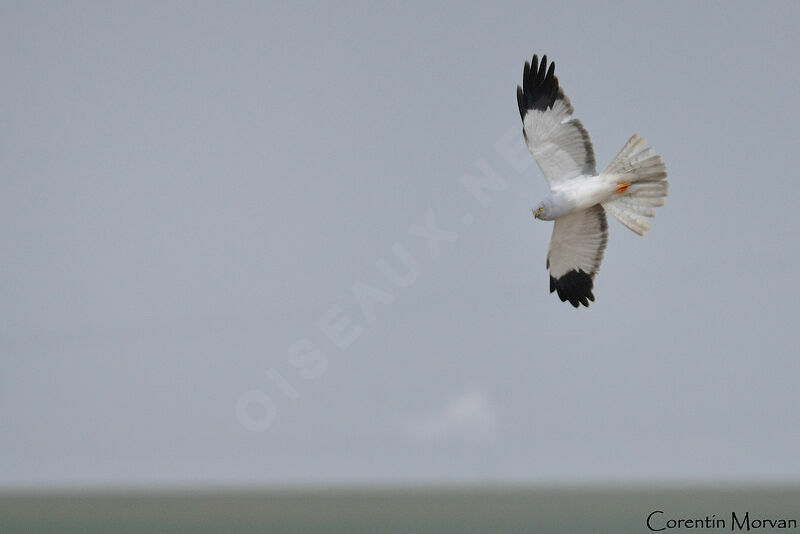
<point>187,189</point>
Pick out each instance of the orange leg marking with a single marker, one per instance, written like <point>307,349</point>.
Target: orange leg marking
<point>621,188</point>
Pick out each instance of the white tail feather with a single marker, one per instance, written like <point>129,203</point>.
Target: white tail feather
<point>639,166</point>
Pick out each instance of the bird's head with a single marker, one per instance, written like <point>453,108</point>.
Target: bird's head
<point>543,211</point>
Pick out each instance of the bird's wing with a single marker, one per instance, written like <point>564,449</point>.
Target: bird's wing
<point>560,145</point>
<point>576,250</point>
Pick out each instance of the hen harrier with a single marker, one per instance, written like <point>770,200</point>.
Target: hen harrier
<point>630,187</point>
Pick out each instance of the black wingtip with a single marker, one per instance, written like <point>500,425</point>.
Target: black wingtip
<point>575,287</point>
<point>526,75</point>
<point>539,86</point>
<point>541,70</point>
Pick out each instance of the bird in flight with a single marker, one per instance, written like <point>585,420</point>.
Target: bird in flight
<point>630,187</point>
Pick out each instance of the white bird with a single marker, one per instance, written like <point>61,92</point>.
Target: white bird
<point>630,187</point>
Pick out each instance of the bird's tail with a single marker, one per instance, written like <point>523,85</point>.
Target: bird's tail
<point>641,175</point>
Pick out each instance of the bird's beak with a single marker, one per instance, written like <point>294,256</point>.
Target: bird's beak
<point>535,215</point>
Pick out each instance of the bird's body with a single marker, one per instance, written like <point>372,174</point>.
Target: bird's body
<point>630,187</point>
<point>580,193</point>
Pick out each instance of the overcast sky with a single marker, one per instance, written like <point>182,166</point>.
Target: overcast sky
<point>237,247</point>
